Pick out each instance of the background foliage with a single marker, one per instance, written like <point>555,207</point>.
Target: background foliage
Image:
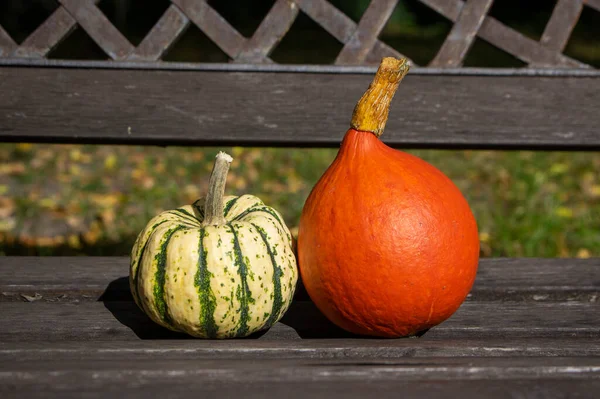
<point>82,199</point>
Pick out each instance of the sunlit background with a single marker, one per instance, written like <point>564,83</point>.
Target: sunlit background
<point>94,199</point>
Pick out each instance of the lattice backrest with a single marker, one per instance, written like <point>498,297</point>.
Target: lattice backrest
<point>361,45</point>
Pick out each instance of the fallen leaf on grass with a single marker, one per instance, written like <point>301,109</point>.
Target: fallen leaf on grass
<point>110,162</point>
<point>106,200</point>
<point>7,207</point>
<point>14,168</point>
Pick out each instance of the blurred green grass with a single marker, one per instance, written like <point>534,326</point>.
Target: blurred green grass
<point>85,199</point>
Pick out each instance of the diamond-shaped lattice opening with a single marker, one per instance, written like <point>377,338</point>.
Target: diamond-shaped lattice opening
<point>483,54</point>
<point>583,45</point>
<point>134,18</point>
<point>526,17</point>
<point>194,46</point>
<point>78,46</point>
<point>306,43</point>
<point>244,15</point>
<point>416,31</point>
<point>21,18</point>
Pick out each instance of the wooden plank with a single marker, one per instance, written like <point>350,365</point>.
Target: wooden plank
<point>507,39</point>
<point>461,37</point>
<point>123,383</point>
<point>213,25</point>
<point>563,20</point>
<point>269,33</point>
<point>162,35</point>
<point>109,321</point>
<point>340,348</point>
<point>48,35</point>
<point>363,39</point>
<point>100,29</point>
<point>308,370</point>
<point>67,279</point>
<point>270,109</point>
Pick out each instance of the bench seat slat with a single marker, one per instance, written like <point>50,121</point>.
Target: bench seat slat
<point>94,321</point>
<point>139,387</point>
<point>464,377</point>
<point>292,109</point>
<point>339,348</point>
<point>66,279</point>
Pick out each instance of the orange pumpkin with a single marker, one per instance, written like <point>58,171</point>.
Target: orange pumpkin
<point>387,244</point>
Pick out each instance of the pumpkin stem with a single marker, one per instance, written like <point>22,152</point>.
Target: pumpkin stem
<point>371,111</point>
<point>213,207</point>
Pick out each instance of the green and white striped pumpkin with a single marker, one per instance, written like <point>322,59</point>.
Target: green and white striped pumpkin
<point>215,276</point>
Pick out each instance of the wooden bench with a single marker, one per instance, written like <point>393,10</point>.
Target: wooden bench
<point>69,326</point>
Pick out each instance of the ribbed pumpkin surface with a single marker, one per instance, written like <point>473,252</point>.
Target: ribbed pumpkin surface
<point>221,281</point>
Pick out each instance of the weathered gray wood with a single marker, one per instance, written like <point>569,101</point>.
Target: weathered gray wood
<point>269,33</point>
<point>100,29</point>
<point>162,36</point>
<point>461,36</point>
<point>7,44</point>
<point>371,24</point>
<point>48,35</point>
<point>213,25</point>
<point>595,4</point>
<point>292,109</point>
<point>109,321</point>
<point>340,348</point>
<point>66,279</point>
<point>185,385</point>
<point>340,26</point>
<point>563,20</point>
<point>298,370</point>
<point>507,39</point>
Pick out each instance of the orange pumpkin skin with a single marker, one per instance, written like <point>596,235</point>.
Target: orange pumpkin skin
<point>387,244</point>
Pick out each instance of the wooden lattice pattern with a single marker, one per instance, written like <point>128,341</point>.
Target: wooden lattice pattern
<point>361,45</point>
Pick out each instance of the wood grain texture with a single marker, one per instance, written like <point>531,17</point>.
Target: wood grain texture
<point>461,36</point>
<point>48,35</point>
<point>109,321</point>
<point>68,279</point>
<point>100,29</point>
<point>361,42</point>
<point>270,109</point>
<point>213,25</point>
<point>162,35</point>
<point>269,33</point>
<point>340,348</point>
<point>143,385</point>
<point>559,27</point>
<point>300,370</point>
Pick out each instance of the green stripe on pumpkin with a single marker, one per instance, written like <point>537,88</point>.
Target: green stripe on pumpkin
<point>277,274</point>
<point>198,209</point>
<point>243,294</point>
<point>185,215</point>
<point>136,272</point>
<point>208,301</point>
<point>229,205</point>
<point>265,209</point>
<point>160,276</point>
